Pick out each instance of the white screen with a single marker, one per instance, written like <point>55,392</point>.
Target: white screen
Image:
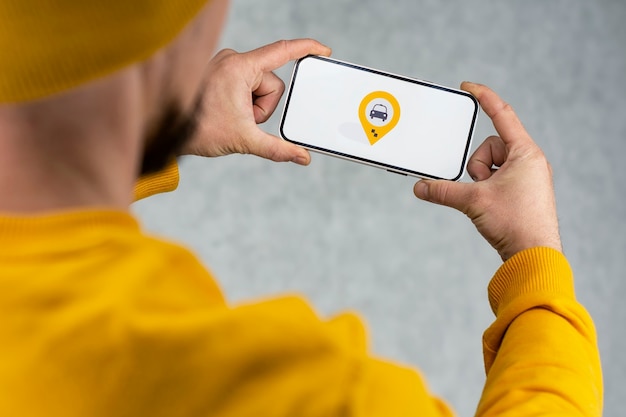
<point>430,132</point>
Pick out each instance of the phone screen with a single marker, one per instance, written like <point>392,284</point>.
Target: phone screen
<point>389,121</point>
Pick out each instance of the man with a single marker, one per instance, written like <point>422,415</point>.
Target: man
<point>99,319</point>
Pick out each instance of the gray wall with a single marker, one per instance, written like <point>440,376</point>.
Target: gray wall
<point>353,237</point>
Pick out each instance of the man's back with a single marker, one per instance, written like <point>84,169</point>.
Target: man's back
<point>98,318</point>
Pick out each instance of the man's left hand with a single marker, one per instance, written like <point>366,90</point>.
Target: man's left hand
<point>242,91</point>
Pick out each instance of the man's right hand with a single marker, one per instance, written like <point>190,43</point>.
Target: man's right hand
<point>513,205</point>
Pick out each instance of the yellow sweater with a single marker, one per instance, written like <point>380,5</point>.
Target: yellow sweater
<point>98,319</point>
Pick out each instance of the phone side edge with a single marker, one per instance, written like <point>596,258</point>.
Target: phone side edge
<point>292,82</point>
<point>468,147</point>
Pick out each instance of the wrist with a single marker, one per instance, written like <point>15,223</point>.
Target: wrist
<point>546,236</point>
<point>508,253</point>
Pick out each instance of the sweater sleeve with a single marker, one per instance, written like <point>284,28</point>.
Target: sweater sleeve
<point>541,354</point>
<point>160,182</point>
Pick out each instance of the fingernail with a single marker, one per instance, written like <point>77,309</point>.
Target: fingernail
<point>421,190</point>
<point>300,160</point>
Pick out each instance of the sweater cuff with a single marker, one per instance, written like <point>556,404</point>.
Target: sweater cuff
<point>536,270</point>
<point>534,278</point>
<point>159,182</point>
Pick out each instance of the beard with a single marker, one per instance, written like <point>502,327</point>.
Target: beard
<point>172,131</point>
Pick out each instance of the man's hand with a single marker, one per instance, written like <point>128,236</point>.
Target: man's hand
<point>513,205</point>
<point>241,91</point>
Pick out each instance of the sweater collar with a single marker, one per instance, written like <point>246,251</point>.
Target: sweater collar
<point>63,225</point>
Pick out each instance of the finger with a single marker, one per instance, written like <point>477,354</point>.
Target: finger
<point>491,152</point>
<point>277,54</point>
<point>223,54</point>
<point>267,95</point>
<point>504,119</point>
<point>275,149</point>
<point>457,195</point>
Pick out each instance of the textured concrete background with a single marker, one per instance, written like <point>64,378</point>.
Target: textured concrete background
<point>353,237</point>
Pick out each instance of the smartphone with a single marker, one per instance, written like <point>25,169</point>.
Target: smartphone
<point>401,124</point>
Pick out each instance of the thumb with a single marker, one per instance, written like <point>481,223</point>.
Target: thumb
<point>275,149</point>
<point>457,195</point>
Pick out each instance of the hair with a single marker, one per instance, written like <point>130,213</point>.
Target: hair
<point>171,133</point>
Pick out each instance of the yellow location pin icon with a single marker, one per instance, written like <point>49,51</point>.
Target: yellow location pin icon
<point>379,113</point>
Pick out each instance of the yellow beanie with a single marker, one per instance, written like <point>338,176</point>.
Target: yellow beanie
<point>48,46</point>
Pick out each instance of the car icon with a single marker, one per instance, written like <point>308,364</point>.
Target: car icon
<point>379,111</point>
